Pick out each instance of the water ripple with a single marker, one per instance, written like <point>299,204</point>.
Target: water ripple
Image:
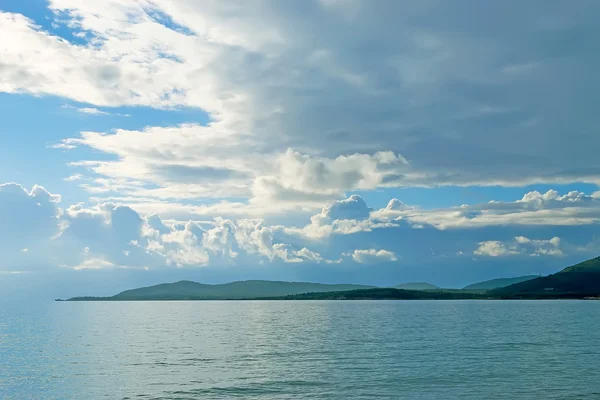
<point>301,350</point>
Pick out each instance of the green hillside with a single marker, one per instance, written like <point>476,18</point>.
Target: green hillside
<point>498,283</point>
<point>416,286</point>
<point>578,281</point>
<point>385,294</point>
<point>188,290</point>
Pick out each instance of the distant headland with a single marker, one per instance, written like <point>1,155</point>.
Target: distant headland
<point>580,281</point>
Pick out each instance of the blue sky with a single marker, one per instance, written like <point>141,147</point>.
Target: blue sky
<point>325,140</point>
<point>30,138</point>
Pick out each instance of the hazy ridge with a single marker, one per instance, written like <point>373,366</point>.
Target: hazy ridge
<point>499,282</point>
<point>578,281</point>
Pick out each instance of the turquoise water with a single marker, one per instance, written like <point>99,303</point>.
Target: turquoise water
<point>302,350</point>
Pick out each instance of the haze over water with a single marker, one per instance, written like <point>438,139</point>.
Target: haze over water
<point>301,350</point>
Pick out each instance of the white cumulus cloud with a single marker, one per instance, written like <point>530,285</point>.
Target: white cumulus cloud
<point>371,256</point>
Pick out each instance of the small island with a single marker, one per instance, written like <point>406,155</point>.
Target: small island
<point>580,281</point>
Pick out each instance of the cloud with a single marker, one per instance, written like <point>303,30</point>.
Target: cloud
<point>347,214</point>
<point>93,111</point>
<point>115,237</point>
<point>352,216</point>
<point>225,242</point>
<point>494,248</point>
<point>396,205</point>
<point>550,208</point>
<point>191,161</point>
<point>27,214</point>
<point>181,247</point>
<point>302,113</point>
<point>354,207</point>
<point>372,256</point>
<point>549,247</point>
<point>28,219</point>
<point>87,110</point>
<point>73,178</point>
<point>294,122</point>
<point>521,245</point>
<point>94,263</point>
<point>101,236</point>
<point>306,175</point>
<point>309,255</point>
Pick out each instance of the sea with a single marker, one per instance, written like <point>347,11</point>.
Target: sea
<point>301,350</point>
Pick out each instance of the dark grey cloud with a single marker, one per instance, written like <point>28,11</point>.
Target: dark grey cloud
<point>468,92</point>
<point>186,173</point>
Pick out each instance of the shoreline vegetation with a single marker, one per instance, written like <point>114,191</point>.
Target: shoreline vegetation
<point>580,281</point>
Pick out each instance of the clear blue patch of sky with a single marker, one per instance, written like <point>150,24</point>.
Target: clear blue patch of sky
<point>447,196</point>
<point>166,20</point>
<point>30,125</point>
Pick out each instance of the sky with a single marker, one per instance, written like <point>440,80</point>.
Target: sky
<point>335,141</point>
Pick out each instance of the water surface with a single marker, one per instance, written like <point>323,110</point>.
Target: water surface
<point>301,350</point>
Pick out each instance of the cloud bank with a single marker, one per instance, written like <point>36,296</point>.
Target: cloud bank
<point>303,108</point>
<point>40,234</point>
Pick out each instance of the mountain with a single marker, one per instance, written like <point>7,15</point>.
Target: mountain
<point>578,281</point>
<point>188,290</point>
<point>386,294</point>
<point>416,286</point>
<point>498,283</point>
